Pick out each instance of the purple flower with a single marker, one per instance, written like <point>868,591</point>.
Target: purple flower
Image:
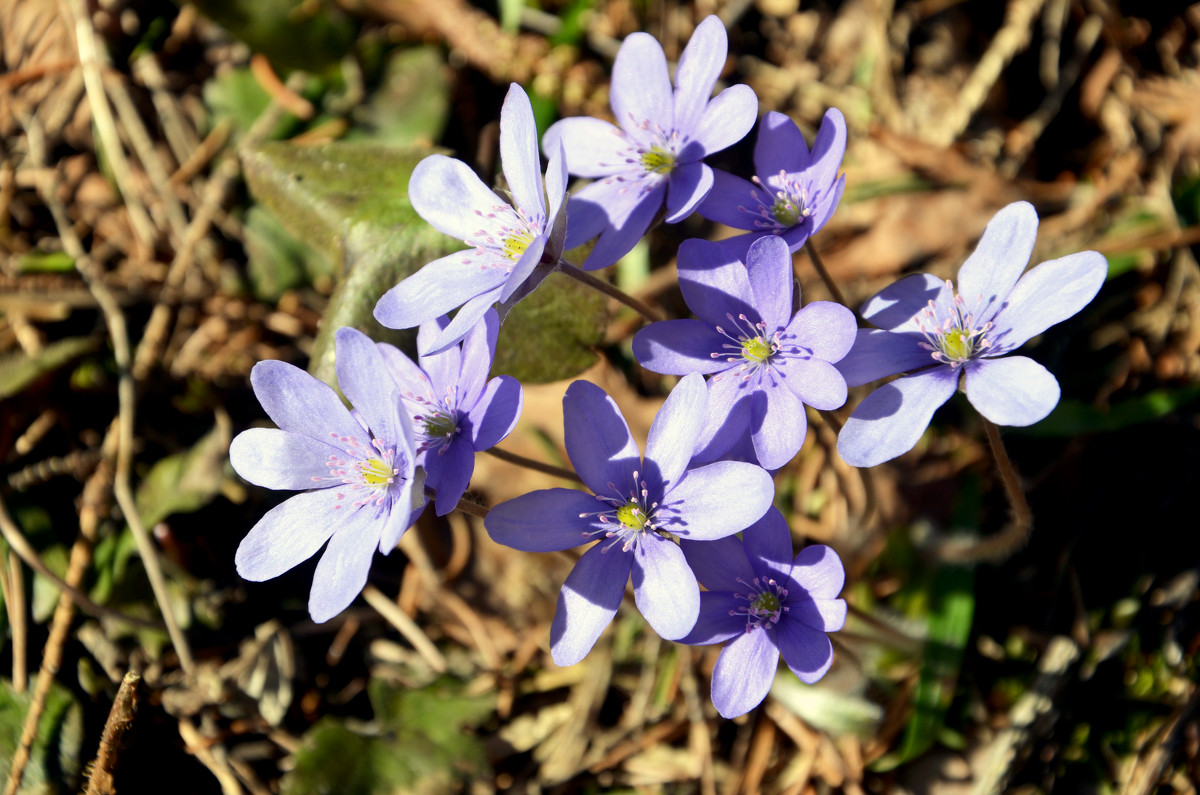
<point>766,363</point>
<point>640,504</point>
<point>950,338</point>
<point>455,410</point>
<point>764,602</point>
<point>362,489</point>
<point>795,191</point>
<point>510,241</point>
<point>655,153</point>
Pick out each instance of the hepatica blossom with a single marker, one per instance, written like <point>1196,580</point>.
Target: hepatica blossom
<point>949,338</point>
<point>654,154</point>
<point>456,411</point>
<point>640,505</point>
<point>360,488</point>
<point>509,242</point>
<point>795,191</point>
<point>765,362</point>
<point>764,602</point>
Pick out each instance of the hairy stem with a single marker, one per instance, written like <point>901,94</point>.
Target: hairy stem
<point>643,309</point>
<point>824,274</point>
<point>537,466</point>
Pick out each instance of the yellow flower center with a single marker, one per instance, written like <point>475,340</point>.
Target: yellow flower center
<point>516,243</point>
<point>756,349</point>
<point>375,472</point>
<point>657,160</point>
<point>630,515</point>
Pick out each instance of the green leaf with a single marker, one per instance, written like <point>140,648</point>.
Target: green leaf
<point>510,14</point>
<point>236,97</point>
<point>18,369</point>
<point>552,335</point>
<point>313,35</point>
<point>186,482</point>
<point>276,261</point>
<point>411,104</point>
<point>45,262</point>
<point>54,764</point>
<point>1075,417</point>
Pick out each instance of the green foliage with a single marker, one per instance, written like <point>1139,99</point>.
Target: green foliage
<point>313,35</point>
<point>55,759</point>
<point>1075,417</point>
<point>187,481</point>
<point>18,370</point>
<point>410,105</point>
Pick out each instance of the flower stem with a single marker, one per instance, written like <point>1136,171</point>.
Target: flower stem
<point>579,275</point>
<point>469,508</point>
<point>824,274</point>
<point>529,463</point>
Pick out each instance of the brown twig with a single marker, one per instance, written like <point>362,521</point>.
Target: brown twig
<point>536,466</point>
<point>100,781</point>
<point>406,627</point>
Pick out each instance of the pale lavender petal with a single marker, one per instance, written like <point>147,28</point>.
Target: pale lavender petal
<point>441,286</point>
<point>877,354</point>
<point>827,329</point>
<point>689,184</point>
<point>449,472</point>
<point>744,672</point>
<point>768,544</point>
<point>718,500</point>
<point>556,186</point>
<point>700,65</point>
<point>495,414</point>
<point>478,350</point>
<point>726,120</point>
<point>988,275</point>
<point>828,149</point>
<point>1014,390</point>
<point>729,202</point>
<point>679,347</point>
<point>720,563</point>
<point>409,378</point>
<point>342,571</point>
<point>664,588</point>
<point>276,459</point>
<point>588,601</point>
<point>630,207</point>
<point>586,218</point>
<point>594,148</point>
<point>448,194</point>
<point>292,532</point>
<point>727,421</point>
<point>674,432</point>
<point>714,285</point>
<point>777,425</point>
<point>891,419</point>
<point>780,147</point>
<point>519,152</point>
<point>819,570</point>
<point>897,306</point>
<point>823,209</point>
<point>641,88</point>
<point>297,402</point>
<point>410,493</point>
<point>1048,294</point>
<point>806,651</point>
<point>464,320</point>
<point>717,621</point>
<point>442,368</point>
<point>816,382</point>
<point>769,266</point>
<point>597,438</point>
<point>523,267</point>
<point>363,378</point>
<point>548,520</point>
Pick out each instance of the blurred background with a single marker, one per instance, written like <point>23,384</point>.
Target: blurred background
<point>187,189</point>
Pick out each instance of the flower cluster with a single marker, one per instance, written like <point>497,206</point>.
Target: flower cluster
<point>695,508</point>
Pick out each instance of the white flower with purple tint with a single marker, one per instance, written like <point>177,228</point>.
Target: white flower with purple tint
<point>361,488</point>
<point>765,360</point>
<point>946,339</point>
<point>762,602</point>
<point>456,411</point>
<point>639,508</point>
<point>795,191</point>
<point>654,155</point>
<point>514,246</point>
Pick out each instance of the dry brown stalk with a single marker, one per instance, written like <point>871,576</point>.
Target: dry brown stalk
<point>100,781</point>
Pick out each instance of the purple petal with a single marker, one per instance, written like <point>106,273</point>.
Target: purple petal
<point>585,220</point>
<point>597,439</point>
<point>825,328</point>
<point>780,147</point>
<point>664,588</point>
<point>409,378</point>
<point>825,204</point>
<point>408,503</point>
<point>819,571</point>
<point>689,184</point>
<point>588,601</point>
<point>292,532</point>
<point>828,150</point>
<point>543,521</point>
<point>817,383</point>
<point>641,89</point>
<point>720,563</point>
<point>441,286</point>
<point>630,207</point>
<point>297,402</point>
<point>495,414</point>
<point>675,430</point>
<point>679,347</point>
<point>718,620</point>
<point>891,419</point>
<point>988,275</point>
<point>478,350</point>
<point>897,306</point>
<point>744,672</point>
<point>448,194</point>
<point>713,284</point>
<point>363,378</point>
<point>464,320</point>
<point>1048,294</point>
<point>449,471</point>
<point>769,266</point>
<point>276,459</point>
<point>1014,390</point>
<point>768,544</point>
<point>700,65</point>
<point>726,423</point>
<point>519,152</point>
<point>342,571</point>
<point>806,651</point>
<point>718,500</point>
<point>877,354</point>
<point>726,120</point>
<point>556,189</point>
<point>730,201</point>
<point>441,368</point>
<point>777,425</point>
<point>593,148</point>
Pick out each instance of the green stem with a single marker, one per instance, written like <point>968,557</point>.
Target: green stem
<point>646,311</point>
<point>529,463</point>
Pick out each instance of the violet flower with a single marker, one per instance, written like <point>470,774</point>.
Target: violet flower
<point>655,153</point>
<point>765,361</point>
<point>361,488</point>
<point>455,410</point>
<point>509,242</point>
<point>951,339</point>
<point>641,504</point>
<point>765,602</point>
<point>795,191</point>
